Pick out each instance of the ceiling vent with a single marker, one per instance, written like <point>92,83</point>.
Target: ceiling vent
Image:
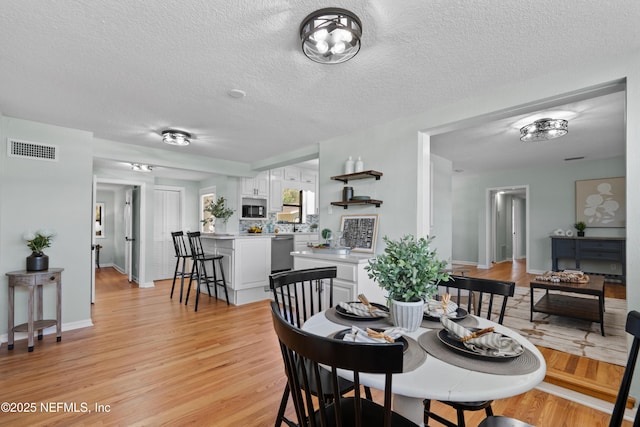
<point>32,150</point>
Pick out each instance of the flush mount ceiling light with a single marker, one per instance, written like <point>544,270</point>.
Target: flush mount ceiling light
<point>176,137</point>
<point>544,129</point>
<point>139,167</point>
<point>331,36</point>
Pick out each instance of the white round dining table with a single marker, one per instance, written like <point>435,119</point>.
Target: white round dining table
<point>438,380</point>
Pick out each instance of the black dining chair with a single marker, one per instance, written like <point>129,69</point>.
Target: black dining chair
<point>481,296</point>
<point>321,355</point>
<point>213,277</point>
<point>300,294</point>
<point>633,328</point>
<point>182,255</point>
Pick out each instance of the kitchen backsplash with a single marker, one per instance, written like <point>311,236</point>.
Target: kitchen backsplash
<point>270,224</point>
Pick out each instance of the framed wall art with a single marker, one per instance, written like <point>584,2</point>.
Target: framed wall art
<point>601,202</point>
<point>99,226</point>
<point>360,232</point>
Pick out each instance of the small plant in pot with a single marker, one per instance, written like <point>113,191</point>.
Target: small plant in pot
<point>580,226</point>
<point>218,211</point>
<point>409,271</point>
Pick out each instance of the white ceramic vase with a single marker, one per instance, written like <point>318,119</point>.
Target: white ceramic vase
<point>407,315</point>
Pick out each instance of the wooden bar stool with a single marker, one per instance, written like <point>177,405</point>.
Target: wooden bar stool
<point>199,269</point>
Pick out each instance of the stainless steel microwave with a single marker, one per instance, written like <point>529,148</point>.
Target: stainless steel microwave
<point>253,211</point>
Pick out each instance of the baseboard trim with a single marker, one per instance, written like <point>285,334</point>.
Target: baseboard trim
<point>52,330</point>
<point>583,399</point>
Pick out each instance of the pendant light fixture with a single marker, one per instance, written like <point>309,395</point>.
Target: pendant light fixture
<point>176,137</point>
<point>544,129</point>
<point>331,35</point>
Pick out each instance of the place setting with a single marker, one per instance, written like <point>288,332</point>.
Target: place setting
<point>435,309</point>
<point>370,323</point>
<point>480,349</point>
<point>361,313</point>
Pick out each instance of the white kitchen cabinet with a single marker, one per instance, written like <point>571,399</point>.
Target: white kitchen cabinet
<point>351,278</point>
<point>292,173</point>
<point>301,241</point>
<point>247,266</point>
<point>308,176</point>
<point>275,195</point>
<point>257,186</point>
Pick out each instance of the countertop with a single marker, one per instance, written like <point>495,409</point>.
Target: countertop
<point>357,258</point>
<point>229,236</point>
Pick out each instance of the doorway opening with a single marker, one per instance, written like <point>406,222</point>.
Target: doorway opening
<point>507,224</point>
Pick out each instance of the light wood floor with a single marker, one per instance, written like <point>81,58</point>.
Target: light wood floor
<point>150,361</point>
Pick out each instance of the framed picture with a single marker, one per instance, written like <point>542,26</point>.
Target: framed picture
<point>99,226</point>
<point>360,232</point>
<point>601,202</point>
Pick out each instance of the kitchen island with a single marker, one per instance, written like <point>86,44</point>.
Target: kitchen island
<point>247,264</point>
<point>247,261</point>
<point>351,280</point>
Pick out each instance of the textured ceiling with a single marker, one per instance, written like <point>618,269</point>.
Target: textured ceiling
<point>125,70</point>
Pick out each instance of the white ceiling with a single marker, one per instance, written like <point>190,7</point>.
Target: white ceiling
<point>126,70</point>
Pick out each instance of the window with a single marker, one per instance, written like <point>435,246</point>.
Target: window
<point>207,195</point>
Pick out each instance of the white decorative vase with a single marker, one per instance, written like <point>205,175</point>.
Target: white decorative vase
<point>407,315</point>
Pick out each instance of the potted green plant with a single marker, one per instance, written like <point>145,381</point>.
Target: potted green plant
<point>580,226</point>
<point>218,210</point>
<point>409,271</point>
<point>38,242</point>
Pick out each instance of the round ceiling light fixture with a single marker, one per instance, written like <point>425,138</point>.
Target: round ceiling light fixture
<point>543,130</point>
<point>176,137</point>
<point>331,35</point>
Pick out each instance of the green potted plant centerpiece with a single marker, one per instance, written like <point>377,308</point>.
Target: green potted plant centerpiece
<point>409,271</point>
<point>580,226</point>
<point>219,211</point>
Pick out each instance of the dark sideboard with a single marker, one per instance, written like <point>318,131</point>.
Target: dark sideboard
<point>610,250</point>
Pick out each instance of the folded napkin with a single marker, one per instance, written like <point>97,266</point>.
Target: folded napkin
<point>359,309</point>
<point>360,335</point>
<point>493,343</point>
<point>435,308</point>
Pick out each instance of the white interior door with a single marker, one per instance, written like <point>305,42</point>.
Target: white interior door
<point>167,217</point>
<point>128,231</point>
<point>93,240</point>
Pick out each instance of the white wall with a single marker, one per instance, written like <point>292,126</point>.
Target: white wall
<point>38,194</point>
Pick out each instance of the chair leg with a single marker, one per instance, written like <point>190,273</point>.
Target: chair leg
<point>205,276</point>
<point>367,394</point>
<point>489,411</point>
<point>175,274</point>
<point>194,272</point>
<point>184,261</point>
<point>215,279</point>
<point>460,418</point>
<point>427,409</point>
<point>283,406</point>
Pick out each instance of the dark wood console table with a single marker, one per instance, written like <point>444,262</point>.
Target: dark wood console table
<point>607,249</point>
<point>34,280</point>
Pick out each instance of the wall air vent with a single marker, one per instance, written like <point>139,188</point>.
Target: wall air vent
<point>32,150</point>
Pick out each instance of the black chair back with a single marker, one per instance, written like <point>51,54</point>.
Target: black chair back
<point>301,348</point>
<point>482,290</point>
<point>632,327</point>
<point>179,244</point>
<point>303,293</point>
<point>195,244</point>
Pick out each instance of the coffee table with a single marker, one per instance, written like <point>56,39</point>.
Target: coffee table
<point>577,307</point>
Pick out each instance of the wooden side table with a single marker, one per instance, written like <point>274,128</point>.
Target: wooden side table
<point>34,280</point>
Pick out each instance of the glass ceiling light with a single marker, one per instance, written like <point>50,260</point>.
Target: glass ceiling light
<point>331,36</point>
<point>176,137</point>
<point>139,167</point>
<point>544,129</point>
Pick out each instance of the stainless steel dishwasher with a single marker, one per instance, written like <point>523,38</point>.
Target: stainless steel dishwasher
<point>281,248</point>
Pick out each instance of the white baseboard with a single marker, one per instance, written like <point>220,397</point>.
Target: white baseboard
<point>52,330</point>
<point>146,285</point>
<point>583,399</point>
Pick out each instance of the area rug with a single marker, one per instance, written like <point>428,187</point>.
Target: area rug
<point>572,336</point>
